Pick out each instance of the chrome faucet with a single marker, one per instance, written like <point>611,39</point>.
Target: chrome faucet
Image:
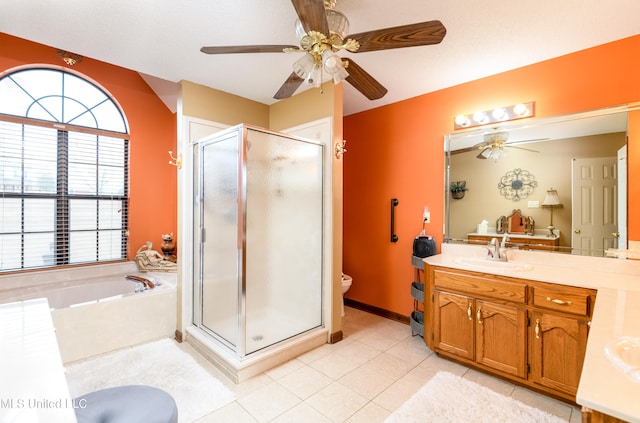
<point>497,251</point>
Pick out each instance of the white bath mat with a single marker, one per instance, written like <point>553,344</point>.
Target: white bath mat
<point>161,364</point>
<point>450,398</point>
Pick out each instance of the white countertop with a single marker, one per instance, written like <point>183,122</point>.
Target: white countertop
<point>603,386</point>
<point>33,387</point>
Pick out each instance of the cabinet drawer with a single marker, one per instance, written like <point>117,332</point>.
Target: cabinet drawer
<point>480,286</point>
<point>565,299</point>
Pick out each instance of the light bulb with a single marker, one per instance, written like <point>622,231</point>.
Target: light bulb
<point>480,117</point>
<point>499,113</point>
<point>331,61</point>
<point>302,67</point>
<point>520,109</point>
<point>340,76</point>
<point>315,76</point>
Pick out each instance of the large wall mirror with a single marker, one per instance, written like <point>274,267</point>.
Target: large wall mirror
<point>510,169</point>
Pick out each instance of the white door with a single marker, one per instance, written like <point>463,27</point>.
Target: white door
<point>622,197</point>
<point>594,205</point>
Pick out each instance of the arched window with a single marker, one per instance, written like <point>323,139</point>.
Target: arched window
<point>64,148</point>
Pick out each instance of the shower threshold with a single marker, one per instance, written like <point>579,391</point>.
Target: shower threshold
<point>239,370</point>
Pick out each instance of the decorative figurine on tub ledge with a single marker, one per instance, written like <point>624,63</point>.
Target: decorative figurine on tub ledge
<point>168,247</point>
<point>149,260</point>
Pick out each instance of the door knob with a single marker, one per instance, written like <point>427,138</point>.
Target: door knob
<point>576,231</point>
<point>616,234</point>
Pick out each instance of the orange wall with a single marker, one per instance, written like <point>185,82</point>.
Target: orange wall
<point>397,151</point>
<point>152,127</point>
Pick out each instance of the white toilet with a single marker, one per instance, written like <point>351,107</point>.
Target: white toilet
<point>346,284</point>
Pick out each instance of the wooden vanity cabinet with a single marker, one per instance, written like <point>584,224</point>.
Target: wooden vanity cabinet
<point>531,332</point>
<point>488,328</point>
<point>523,243</point>
<point>558,335</point>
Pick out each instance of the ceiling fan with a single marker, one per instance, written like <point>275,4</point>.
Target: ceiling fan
<point>322,31</point>
<point>494,144</point>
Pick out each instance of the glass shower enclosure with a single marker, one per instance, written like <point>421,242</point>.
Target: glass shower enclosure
<point>258,237</point>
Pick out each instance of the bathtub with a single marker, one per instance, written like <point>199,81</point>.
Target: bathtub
<point>95,309</point>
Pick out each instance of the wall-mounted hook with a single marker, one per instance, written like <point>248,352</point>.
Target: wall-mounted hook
<point>175,161</point>
<point>340,150</point>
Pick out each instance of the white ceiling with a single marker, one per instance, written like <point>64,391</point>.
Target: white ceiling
<point>162,38</point>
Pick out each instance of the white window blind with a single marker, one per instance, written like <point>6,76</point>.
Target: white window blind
<point>63,193</point>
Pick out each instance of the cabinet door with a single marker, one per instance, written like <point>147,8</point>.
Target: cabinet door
<point>453,324</point>
<point>558,346</point>
<point>501,341</point>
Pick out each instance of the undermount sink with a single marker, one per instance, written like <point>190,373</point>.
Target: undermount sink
<point>486,264</point>
<point>625,354</point>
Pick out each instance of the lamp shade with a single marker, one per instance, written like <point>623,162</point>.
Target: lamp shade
<point>551,199</point>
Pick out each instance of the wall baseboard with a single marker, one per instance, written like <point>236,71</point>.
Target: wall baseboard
<point>377,311</point>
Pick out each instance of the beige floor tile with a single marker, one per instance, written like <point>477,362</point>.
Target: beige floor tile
<point>302,412</point>
<point>491,382</point>
<point>305,381</point>
<point>377,339</point>
<point>268,402</point>
<point>366,382</point>
<point>333,365</point>
<point>389,365</point>
<point>230,413</point>
<point>370,413</point>
<point>375,369</point>
<point>400,391</point>
<point>412,349</point>
<point>248,386</point>
<point>576,415</point>
<point>337,402</point>
<point>358,352</point>
<point>284,369</point>
<point>436,363</point>
<point>550,405</point>
<point>317,353</point>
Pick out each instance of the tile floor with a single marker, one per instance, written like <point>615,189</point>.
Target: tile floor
<point>364,378</point>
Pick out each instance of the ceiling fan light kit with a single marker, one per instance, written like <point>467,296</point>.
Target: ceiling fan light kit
<point>322,31</point>
<point>497,115</point>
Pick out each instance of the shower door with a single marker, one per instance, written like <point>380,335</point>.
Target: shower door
<point>258,236</point>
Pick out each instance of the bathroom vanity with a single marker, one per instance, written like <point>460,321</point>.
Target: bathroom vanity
<point>528,242</point>
<point>538,320</point>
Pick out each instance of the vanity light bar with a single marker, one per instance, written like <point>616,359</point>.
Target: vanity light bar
<point>497,115</point>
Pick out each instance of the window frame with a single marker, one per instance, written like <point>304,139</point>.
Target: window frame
<point>62,197</point>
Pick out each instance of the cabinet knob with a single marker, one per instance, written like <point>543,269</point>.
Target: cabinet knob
<point>469,311</point>
<point>479,315</point>
<point>537,330</point>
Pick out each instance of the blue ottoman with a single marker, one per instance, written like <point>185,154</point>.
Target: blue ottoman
<point>127,404</point>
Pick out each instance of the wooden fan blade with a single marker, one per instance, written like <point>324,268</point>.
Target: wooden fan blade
<point>481,155</point>
<point>521,148</point>
<point>312,15</point>
<point>289,87</point>
<point>245,49</point>
<point>412,35</point>
<point>464,150</point>
<point>363,82</point>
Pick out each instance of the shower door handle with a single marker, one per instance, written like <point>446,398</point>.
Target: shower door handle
<point>394,203</point>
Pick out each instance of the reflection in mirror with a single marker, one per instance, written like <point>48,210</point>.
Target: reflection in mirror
<point>512,166</point>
